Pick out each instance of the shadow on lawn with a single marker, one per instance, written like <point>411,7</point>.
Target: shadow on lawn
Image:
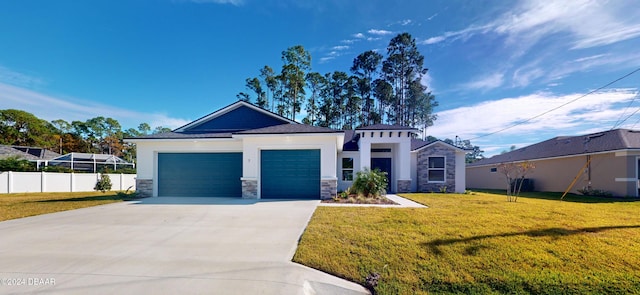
<point>109,197</point>
<point>548,232</point>
<point>555,196</point>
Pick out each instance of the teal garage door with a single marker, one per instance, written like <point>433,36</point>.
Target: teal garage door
<point>290,174</point>
<point>200,174</point>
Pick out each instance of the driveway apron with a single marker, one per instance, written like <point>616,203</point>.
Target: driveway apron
<point>164,246</point>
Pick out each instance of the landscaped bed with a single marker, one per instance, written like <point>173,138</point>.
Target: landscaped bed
<point>355,199</point>
<point>480,243</point>
<point>20,205</point>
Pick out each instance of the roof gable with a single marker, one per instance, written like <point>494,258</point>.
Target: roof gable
<point>418,144</point>
<point>236,117</point>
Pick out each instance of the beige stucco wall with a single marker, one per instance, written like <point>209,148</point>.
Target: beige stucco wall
<point>609,172</point>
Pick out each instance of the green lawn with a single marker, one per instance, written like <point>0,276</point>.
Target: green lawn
<point>20,205</point>
<point>479,243</point>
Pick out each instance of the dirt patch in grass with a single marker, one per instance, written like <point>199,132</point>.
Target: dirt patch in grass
<point>353,199</point>
<point>20,205</point>
<point>480,244</point>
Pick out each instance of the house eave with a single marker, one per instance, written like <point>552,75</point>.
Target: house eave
<point>556,157</point>
<point>185,139</point>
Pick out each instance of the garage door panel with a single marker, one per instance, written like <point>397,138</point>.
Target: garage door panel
<point>200,174</point>
<point>290,174</point>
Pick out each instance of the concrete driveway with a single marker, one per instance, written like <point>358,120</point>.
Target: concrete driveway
<point>164,246</point>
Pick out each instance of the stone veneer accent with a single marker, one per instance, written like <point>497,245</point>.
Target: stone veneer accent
<point>249,188</point>
<point>144,187</point>
<point>450,169</point>
<point>404,186</point>
<point>328,188</point>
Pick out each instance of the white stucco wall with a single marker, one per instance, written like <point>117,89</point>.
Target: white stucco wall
<point>252,145</point>
<point>147,153</point>
<point>249,145</point>
<point>344,185</point>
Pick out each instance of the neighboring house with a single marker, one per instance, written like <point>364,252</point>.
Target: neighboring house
<point>611,161</point>
<point>243,150</point>
<point>26,153</point>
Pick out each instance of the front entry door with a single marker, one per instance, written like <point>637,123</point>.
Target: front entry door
<point>384,164</point>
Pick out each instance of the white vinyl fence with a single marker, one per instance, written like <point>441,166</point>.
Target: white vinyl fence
<point>29,182</point>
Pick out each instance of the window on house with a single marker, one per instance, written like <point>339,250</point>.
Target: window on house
<point>436,169</point>
<point>494,170</point>
<point>347,169</point>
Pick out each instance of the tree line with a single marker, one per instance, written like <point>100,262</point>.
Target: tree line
<point>379,89</point>
<point>98,135</point>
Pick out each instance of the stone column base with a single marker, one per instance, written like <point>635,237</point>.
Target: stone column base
<point>404,186</point>
<point>144,187</point>
<point>249,188</point>
<point>328,188</point>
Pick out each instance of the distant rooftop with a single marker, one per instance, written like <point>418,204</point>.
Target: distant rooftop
<point>26,152</point>
<point>611,140</point>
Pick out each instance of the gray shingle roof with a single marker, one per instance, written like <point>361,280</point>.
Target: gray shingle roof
<point>180,135</point>
<point>290,129</point>
<point>27,153</point>
<point>612,140</point>
<point>278,129</point>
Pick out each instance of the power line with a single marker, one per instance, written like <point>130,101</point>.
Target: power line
<point>623,113</point>
<point>619,123</point>
<point>558,107</point>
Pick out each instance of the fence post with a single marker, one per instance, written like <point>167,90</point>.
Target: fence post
<point>43,183</point>
<point>10,182</point>
<point>72,176</point>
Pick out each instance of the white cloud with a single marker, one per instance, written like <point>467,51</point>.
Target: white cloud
<point>586,23</point>
<point>18,79</point>
<point>232,2</point>
<point>488,82</point>
<point>524,76</point>
<point>598,111</point>
<point>51,108</point>
<point>584,64</point>
<point>427,80</point>
<point>405,22</point>
<point>359,35</point>
<point>340,47</point>
<point>432,17</point>
<point>379,32</point>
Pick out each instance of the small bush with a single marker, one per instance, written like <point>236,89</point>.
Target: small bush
<point>103,184</point>
<point>61,169</point>
<point>369,183</point>
<point>16,164</point>
<point>128,194</point>
<point>595,192</point>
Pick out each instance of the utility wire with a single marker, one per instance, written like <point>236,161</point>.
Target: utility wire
<point>558,107</point>
<point>619,123</point>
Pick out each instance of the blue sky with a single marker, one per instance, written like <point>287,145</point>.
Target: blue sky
<point>167,62</point>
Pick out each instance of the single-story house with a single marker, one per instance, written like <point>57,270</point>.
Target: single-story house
<point>243,150</point>
<point>26,153</point>
<point>608,161</point>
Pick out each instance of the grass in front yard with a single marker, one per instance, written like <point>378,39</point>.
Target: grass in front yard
<point>20,205</point>
<point>481,244</point>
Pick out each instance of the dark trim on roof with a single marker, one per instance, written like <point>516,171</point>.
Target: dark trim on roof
<point>385,127</point>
